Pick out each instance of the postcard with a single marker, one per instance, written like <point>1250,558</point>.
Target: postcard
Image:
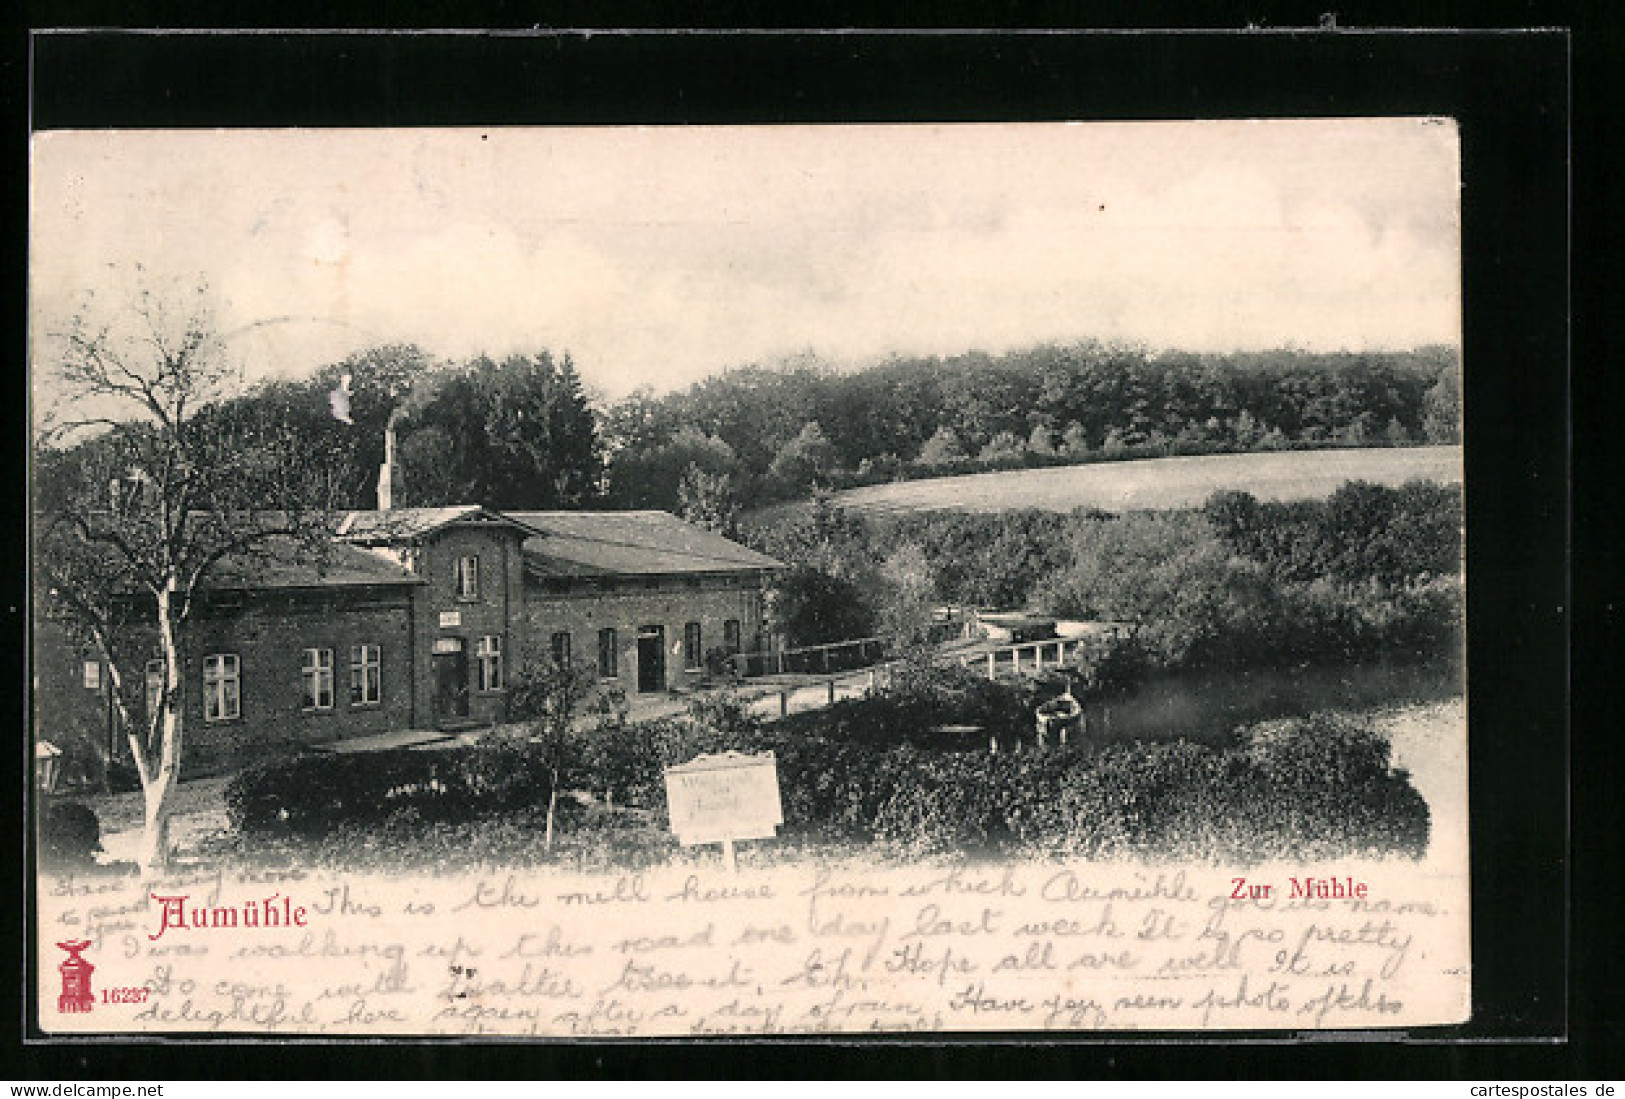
<point>778,580</point>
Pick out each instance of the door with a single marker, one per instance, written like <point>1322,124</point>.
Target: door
<point>450,678</point>
<point>652,658</point>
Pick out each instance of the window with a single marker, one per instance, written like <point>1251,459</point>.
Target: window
<point>468,578</point>
<point>490,663</point>
<point>561,650</point>
<point>365,675</point>
<point>609,654</point>
<point>222,687</point>
<point>93,675</point>
<point>730,636</point>
<point>693,657</point>
<point>317,676</point>
<point>153,675</point>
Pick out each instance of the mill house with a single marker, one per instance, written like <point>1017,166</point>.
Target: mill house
<point>417,618</point>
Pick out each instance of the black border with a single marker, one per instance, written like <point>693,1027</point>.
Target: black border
<point>1509,91</point>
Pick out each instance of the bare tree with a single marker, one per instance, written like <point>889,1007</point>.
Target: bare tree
<point>144,493</point>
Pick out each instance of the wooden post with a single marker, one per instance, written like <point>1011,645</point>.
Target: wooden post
<point>992,659</point>
<point>873,676</point>
<point>784,703</point>
<point>832,690</point>
<point>728,856</point>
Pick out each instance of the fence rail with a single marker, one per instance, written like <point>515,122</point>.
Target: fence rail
<point>1030,657</point>
<point>1053,652</point>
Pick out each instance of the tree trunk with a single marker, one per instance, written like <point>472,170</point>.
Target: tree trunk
<point>155,840</point>
<point>161,775</point>
<point>552,804</point>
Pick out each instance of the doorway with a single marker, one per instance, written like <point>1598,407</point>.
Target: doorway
<point>651,658</point>
<point>450,679</point>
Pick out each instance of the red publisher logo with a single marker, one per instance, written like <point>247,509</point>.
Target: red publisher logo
<point>76,994</point>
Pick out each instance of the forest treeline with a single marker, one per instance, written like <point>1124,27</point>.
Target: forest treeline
<point>773,433</point>
<point>1369,571</point>
<point>524,432</point>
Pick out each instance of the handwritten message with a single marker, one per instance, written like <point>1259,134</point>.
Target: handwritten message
<point>691,950</point>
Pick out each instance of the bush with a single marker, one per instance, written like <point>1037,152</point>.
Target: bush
<point>70,834</point>
<point>1314,788</point>
<point>1330,788</point>
<point>873,771</point>
<point>314,793</point>
<point>122,777</point>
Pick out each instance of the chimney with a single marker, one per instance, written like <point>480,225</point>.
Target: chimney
<point>388,479</point>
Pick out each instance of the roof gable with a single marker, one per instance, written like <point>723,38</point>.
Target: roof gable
<point>408,524</point>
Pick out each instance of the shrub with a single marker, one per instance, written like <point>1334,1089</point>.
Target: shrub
<point>69,833</point>
<point>122,777</point>
<point>314,793</point>
<point>1331,790</point>
<point>872,771</point>
<point>1314,788</point>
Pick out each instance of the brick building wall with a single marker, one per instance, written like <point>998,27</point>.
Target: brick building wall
<point>268,633</point>
<point>445,617</point>
<point>68,714</point>
<point>629,605</point>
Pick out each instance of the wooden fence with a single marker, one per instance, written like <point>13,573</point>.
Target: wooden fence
<point>1033,656</point>
<point>1028,657</point>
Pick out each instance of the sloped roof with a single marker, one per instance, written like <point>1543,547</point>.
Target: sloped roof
<point>635,543</point>
<point>404,524</point>
<point>284,563</point>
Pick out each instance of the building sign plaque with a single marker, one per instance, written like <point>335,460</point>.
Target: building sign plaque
<point>723,798</point>
<point>450,620</point>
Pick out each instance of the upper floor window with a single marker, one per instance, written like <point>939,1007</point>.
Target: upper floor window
<point>93,675</point>
<point>222,687</point>
<point>468,577</point>
<point>730,636</point>
<point>316,674</point>
<point>693,653</point>
<point>609,653</point>
<point>561,649</point>
<point>366,681</point>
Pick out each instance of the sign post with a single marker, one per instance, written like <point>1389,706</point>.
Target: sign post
<point>724,798</point>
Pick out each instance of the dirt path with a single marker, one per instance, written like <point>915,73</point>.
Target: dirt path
<point>200,812</point>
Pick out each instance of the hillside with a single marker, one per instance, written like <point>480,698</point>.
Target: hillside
<point>1151,483</point>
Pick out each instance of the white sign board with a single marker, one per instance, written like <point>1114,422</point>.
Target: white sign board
<point>450,620</point>
<point>716,799</point>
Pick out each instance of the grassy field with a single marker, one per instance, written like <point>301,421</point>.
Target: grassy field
<point>1154,483</point>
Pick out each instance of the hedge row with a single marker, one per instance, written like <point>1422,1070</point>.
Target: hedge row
<point>315,793</point>
<point>1318,787</point>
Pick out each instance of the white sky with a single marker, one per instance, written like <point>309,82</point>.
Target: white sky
<point>661,255</point>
